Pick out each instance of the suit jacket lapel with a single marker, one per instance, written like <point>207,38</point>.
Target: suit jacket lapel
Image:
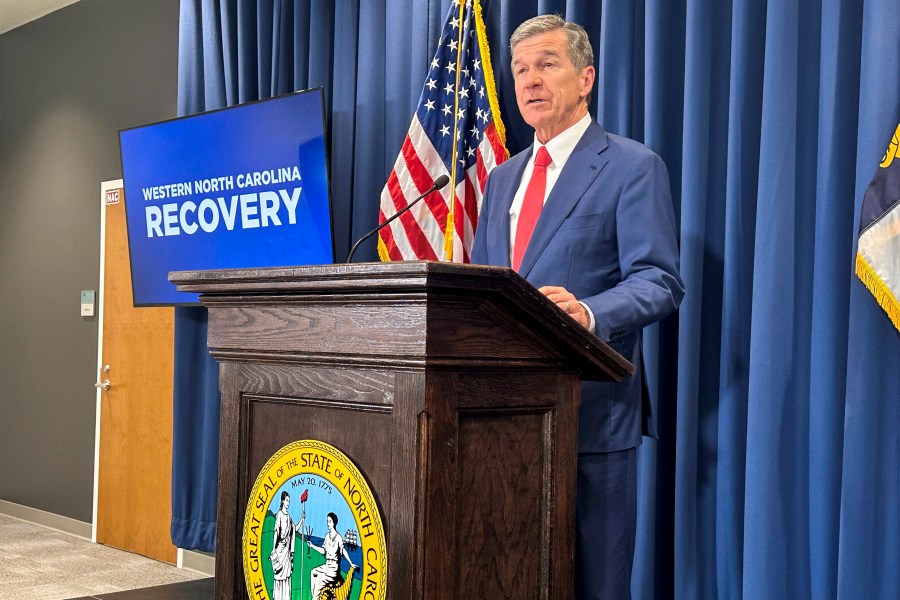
<point>583,166</point>
<point>505,196</point>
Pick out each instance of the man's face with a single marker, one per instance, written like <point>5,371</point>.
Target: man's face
<point>549,91</point>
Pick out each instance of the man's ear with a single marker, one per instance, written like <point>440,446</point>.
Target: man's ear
<point>587,76</point>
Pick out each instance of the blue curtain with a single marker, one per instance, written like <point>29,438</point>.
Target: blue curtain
<point>777,471</point>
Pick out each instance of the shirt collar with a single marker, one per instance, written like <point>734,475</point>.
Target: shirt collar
<point>562,145</point>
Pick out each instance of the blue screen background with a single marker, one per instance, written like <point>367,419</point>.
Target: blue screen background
<point>281,132</point>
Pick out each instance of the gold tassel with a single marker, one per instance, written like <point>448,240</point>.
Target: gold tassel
<point>383,251</point>
<point>489,75</point>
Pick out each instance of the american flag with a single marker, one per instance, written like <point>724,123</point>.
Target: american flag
<point>455,131</point>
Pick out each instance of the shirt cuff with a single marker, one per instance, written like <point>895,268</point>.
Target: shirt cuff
<point>592,324</point>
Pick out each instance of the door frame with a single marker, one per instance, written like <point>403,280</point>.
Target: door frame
<point>105,186</point>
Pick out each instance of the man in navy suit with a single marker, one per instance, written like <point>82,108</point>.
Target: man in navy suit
<point>587,217</point>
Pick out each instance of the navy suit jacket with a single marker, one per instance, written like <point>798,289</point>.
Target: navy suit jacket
<point>607,234</point>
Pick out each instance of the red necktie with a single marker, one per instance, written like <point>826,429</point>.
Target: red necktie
<point>531,205</point>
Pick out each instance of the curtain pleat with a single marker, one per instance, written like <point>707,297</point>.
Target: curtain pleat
<point>838,98</point>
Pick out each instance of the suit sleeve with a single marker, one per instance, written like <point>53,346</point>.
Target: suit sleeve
<point>650,286</point>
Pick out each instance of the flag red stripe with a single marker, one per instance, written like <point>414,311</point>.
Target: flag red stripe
<point>482,171</point>
<point>471,203</point>
<point>387,237</point>
<point>460,222</point>
<point>496,145</point>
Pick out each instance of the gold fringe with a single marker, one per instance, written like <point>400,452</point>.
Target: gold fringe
<point>383,253</point>
<point>876,285</point>
<point>448,233</point>
<point>489,75</point>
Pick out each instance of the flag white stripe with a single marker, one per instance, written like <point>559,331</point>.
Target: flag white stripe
<point>879,245</point>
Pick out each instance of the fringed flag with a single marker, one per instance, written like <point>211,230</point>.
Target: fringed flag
<point>878,254</point>
<point>455,131</point>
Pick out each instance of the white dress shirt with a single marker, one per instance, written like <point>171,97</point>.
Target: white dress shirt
<point>560,149</point>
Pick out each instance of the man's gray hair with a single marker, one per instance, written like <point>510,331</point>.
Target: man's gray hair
<point>579,45</point>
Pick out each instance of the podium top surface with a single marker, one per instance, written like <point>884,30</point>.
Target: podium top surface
<point>492,300</point>
<point>408,275</point>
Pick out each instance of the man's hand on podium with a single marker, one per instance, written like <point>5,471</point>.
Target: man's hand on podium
<point>567,302</point>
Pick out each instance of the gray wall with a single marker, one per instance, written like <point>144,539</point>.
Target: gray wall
<point>68,82</point>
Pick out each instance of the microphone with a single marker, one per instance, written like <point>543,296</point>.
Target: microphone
<point>439,183</point>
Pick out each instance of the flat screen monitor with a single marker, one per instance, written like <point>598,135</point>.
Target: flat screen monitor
<point>240,187</point>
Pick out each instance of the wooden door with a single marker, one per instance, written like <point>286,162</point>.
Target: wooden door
<point>133,508</point>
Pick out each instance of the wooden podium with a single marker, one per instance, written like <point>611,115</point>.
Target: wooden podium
<point>454,389</point>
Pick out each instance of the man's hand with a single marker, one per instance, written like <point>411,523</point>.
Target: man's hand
<point>566,302</point>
